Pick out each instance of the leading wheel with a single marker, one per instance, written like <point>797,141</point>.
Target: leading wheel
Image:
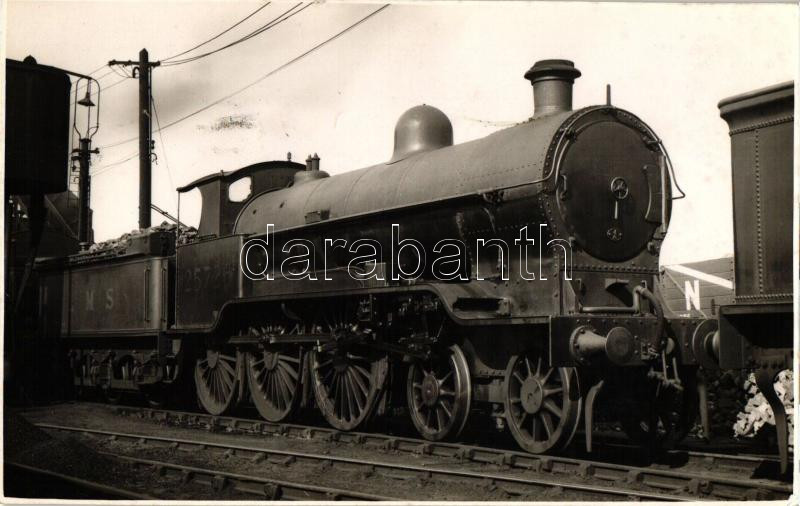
<point>347,384</point>
<point>274,379</point>
<point>439,394</point>
<point>216,377</point>
<point>542,403</point>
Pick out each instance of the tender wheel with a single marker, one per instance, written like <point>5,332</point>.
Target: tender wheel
<point>274,379</point>
<point>159,394</point>
<point>440,395</point>
<point>216,377</point>
<point>103,374</point>
<point>542,403</point>
<point>347,385</point>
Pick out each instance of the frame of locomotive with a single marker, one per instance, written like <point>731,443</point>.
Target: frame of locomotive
<point>167,312</point>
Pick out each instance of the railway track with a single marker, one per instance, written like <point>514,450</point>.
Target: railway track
<point>256,486</point>
<point>726,463</point>
<point>23,480</point>
<point>510,484</point>
<point>519,475</point>
<point>714,463</point>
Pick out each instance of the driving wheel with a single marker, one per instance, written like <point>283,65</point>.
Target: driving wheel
<point>216,377</point>
<point>274,379</point>
<point>347,384</point>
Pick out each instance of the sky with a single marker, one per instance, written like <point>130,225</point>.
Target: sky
<point>670,64</point>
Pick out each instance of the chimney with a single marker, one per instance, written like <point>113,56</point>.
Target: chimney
<point>552,86</point>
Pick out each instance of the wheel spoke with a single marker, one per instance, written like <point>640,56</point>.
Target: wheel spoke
<point>547,421</point>
<point>285,390</point>
<point>552,391</point>
<point>440,420</point>
<point>350,389</point>
<point>323,364</point>
<point>227,367</point>
<point>356,381</point>
<point>446,376</point>
<point>528,366</point>
<point>334,387</point>
<point>360,369</point>
<point>551,406</point>
<point>290,385</point>
<point>286,367</point>
<point>364,389</point>
<point>217,386</point>
<point>227,379</point>
<point>341,392</point>
<point>271,397</point>
<point>446,410</point>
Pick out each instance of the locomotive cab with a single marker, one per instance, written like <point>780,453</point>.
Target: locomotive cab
<point>219,210</point>
<point>208,268</point>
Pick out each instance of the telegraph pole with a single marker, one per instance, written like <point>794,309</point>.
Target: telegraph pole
<point>145,146</point>
<point>144,67</point>
<point>84,185</point>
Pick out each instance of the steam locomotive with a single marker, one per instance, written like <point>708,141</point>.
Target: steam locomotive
<point>513,277</point>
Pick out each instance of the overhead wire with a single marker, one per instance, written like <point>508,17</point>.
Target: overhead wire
<point>118,68</point>
<point>161,141</point>
<point>105,88</point>
<point>113,70</point>
<point>110,71</point>
<point>258,31</point>
<point>109,166</point>
<point>119,71</point>
<point>219,34</point>
<point>101,67</point>
<point>263,77</point>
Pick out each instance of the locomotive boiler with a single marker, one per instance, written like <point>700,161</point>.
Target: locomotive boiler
<point>512,276</point>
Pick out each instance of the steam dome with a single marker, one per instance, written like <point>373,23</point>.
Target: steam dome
<point>419,129</point>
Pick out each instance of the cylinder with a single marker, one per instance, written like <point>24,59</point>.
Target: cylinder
<point>617,345</point>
